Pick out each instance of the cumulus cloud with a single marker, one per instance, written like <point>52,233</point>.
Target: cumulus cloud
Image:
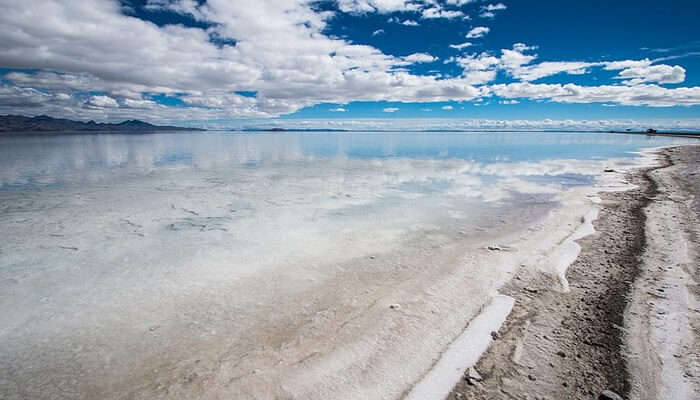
<point>410,22</point>
<point>447,108</point>
<point>653,73</point>
<point>427,8</point>
<point>12,96</point>
<point>102,102</point>
<point>638,95</point>
<point>182,61</point>
<point>280,50</point>
<point>390,109</point>
<point>338,109</point>
<point>478,32</point>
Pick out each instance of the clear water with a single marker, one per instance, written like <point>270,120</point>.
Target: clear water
<point>74,159</point>
<point>130,261</point>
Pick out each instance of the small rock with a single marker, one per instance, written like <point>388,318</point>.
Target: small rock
<point>531,290</point>
<point>532,378</point>
<point>372,257</point>
<point>495,335</point>
<point>494,248</point>
<point>395,306</point>
<point>609,170</point>
<point>561,354</point>
<point>472,375</point>
<point>609,395</point>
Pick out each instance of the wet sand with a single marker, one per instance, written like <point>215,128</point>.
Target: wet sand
<point>631,322</point>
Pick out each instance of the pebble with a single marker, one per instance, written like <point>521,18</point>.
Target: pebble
<point>395,306</point>
<point>472,376</point>
<point>609,395</point>
<point>495,335</point>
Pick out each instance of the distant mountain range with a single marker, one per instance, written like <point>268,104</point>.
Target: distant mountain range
<point>46,124</point>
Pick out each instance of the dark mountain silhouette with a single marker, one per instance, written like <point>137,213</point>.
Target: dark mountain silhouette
<point>43,123</point>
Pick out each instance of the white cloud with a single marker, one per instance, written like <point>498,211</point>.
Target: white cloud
<point>509,102</point>
<point>183,61</point>
<point>338,109</point>
<point>641,71</point>
<point>378,6</point>
<point>378,32</point>
<point>461,45</point>
<point>429,9</point>
<point>459,2</point>
<point>410,22</point>
<point>403,124</point>
<point>478,32</point>
<point>488,11</point>
<point>517,64</point>
<point>437,12</point>
<point>102,101</point>
<point>638,95</point>
<point>522,47</point>
<point>655,73</point>
<point>390,109</point>
<point>13,96</point>
<point>281,52</point>
<point>615,65</point>
<point>420,58</point>
<point>494,7</point>
<point>447,108</point>
<point>140,104</point>
<point>549,68</point>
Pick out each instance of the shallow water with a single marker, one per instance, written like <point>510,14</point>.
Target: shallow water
<point>227,261</point>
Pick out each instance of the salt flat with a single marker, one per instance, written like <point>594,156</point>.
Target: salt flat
<point>268,266</point>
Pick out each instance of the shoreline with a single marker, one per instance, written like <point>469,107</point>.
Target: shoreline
<point>369,326</point>
<point>570,345</point>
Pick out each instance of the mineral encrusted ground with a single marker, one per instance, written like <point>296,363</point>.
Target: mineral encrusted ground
<point>570,345</point>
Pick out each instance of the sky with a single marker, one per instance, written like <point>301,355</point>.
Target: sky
<point>354,63</point>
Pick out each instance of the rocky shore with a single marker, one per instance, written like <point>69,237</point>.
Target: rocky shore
<point>592,342</point>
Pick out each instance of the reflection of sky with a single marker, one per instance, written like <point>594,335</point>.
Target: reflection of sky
<point>37,160</point>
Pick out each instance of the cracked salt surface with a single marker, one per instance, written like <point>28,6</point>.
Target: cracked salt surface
<point>262,266</point>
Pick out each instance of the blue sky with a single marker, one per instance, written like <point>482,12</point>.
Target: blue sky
<point>222,62</point>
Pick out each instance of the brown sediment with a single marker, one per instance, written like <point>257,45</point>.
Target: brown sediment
<point>558,345</point>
